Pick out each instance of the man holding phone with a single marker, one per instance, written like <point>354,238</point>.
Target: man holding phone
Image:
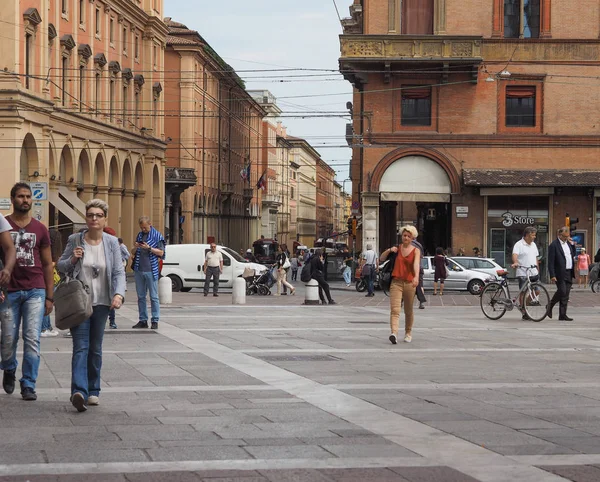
<point>149,248</point>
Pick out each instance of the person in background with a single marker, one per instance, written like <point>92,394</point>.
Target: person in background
<point>124,256</point>
<point>249,256</point>
<point>56,248</point>
<point>583,267</point>
<point>347,260</point>
<point>316,273</point>
<point>213,268</point>
<point>281,272</point>
<point>461,251</point>
<point>370,264</point>
<point>95,258</point>
<point>525,254</point>
<point>597,257</point>
<point>148,250</point>
<point>307,256</point>
<point>295,264</point>
<point>419,289</point>
<point>561,255</point>
<point>440,270</point>
<point>476,252</point>
<point>406,260</point>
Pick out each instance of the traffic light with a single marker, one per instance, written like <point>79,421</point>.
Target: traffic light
<point>354,223</point>
<point>349,225</point>
<point>571,223</point>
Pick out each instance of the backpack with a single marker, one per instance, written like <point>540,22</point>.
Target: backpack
<point>305,274</point>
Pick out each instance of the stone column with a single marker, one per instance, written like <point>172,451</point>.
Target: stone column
<point>102,193</point>
<point>114,214</point>
<point>439,17</point>
<point>129,225</point>
<point>370,219</point>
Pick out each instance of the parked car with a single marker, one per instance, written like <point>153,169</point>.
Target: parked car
<point>184,262</point>
<point>487,265</point>
<point>459,278</point>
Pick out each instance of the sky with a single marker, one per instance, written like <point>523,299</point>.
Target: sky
<point>266,35</point>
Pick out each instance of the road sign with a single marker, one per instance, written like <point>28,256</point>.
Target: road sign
<point>39,191</point>
<point>5,204</point>
<point>355,205</point>
<point>38,210</point>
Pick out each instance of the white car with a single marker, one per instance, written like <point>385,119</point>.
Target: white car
<point>459,278</point>
<point>184,262</point>
<point>487,265</point>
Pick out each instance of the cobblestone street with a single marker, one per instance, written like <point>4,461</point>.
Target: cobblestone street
<point>276,391</point>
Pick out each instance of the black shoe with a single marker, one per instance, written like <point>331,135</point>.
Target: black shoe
<point>8,381</point>
<point>78,402</point>
<point>205,294</point>
<point>565,318</point>
<point>525,317</point>
<point>154,325</point>
<point>393,339</point>
<point>549,312</point>
<point>331,302</point>
<point>284,294</point>
<point>421,307</point>
<point>140,324</point>
<point>112,325</point>
<point>28,394</point>
<point>215,295</point>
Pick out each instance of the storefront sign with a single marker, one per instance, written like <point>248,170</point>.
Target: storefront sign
<point>508,219</point>
<point>462,211</point>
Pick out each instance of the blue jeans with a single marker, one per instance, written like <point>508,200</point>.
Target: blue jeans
<point>26,307</point>
<point>144,282</point>
<point>347,274</point>
<point>46,324</point>
<point>371,280</point>
<point>87,353</point>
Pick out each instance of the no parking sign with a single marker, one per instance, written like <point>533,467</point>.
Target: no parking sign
<point>39,191</point>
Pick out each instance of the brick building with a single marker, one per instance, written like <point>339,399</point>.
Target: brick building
<point>213,127</point>
<point>473,130</point>
<point>325,201</point>
<point>80,89</point>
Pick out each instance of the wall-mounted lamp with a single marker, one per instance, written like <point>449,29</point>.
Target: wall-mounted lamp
<point>505,74</point>
<point>53,177</point>
<point>490,79</point>
<point>36,174</point>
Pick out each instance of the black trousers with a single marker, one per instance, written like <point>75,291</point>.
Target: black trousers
<point>563,289</point>
<point>323,286</point>
<point>215,273</point>
<point>419,291</point>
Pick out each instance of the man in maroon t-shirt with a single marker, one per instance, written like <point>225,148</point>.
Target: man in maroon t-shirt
<point>30,293</point>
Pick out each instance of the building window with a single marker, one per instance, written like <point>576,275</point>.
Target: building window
<point>64,6</point>
<point>520,106</point>
<point>521,18</point>
<point>81,12</point>
<point>97,92</point>
<point>64,73</point>
<point>125,40</point>
<point>137,108</point>
<point>417,17</point>
<point>28,41</point>
<point>111,30</point>
<point>137,47</point>
<point>416,106</point>
<point>155,56</point>
<point>81,87</point>
<point>125,101</point>
<point>98,22</point>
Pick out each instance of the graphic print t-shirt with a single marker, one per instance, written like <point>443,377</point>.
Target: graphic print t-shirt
<point>28,273</point>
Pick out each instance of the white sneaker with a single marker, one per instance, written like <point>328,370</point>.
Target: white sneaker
<point>407,338</point>
<point>93,400</point>
<point>49,333</point>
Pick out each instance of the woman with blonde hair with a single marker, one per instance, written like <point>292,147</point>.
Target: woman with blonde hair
<point>94,257</point>
<point>406,261</point>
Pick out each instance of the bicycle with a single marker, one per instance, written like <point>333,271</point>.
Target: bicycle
<point>496,300</point>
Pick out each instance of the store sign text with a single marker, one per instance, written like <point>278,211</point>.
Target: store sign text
<point>508,219</point>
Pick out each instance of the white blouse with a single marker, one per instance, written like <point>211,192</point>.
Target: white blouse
<point>95,261</point>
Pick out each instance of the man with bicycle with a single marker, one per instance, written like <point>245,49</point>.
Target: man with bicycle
<point>525,254</point>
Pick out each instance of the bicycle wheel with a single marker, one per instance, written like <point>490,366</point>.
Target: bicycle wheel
<point>536,301</point>
<point>596,286</point>
<point>491,301</point>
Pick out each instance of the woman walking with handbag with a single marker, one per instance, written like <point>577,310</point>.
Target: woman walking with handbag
<point>283,264</point>
<point>406,260</point>
<point>93,257</point>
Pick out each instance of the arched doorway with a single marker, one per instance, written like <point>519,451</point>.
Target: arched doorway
<point>84,177</point>
<point>415,189</point>
<point>138,187</point>
<point>29,157</point>
<point>114,197</point>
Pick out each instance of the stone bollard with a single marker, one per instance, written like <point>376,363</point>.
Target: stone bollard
<point>165,291</point>
<point>312,293</point>
<point>239,291</point>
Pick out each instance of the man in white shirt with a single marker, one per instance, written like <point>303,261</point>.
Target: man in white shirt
<point>370,264</point>
<point>561,254</point>
<point>213,268</point>
<point>525,255</point>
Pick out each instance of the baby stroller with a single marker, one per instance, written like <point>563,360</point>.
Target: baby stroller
<point>260,283</point>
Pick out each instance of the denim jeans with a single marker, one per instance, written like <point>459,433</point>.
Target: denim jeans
<point>371,280</point>
<point>215,273</point>
<point>347,274</point>
<point>46,324</point>
<point>145,282</point>
<point>87,353</point>
<point>26,308</point>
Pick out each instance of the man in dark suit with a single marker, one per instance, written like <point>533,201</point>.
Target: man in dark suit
<point>561,254</point>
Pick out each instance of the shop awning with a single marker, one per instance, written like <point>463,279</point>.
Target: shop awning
<point>534,178</point>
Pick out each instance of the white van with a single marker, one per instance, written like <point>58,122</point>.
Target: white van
<point>184,262</point>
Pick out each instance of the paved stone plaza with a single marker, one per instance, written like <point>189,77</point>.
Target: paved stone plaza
<point>275,391</point>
